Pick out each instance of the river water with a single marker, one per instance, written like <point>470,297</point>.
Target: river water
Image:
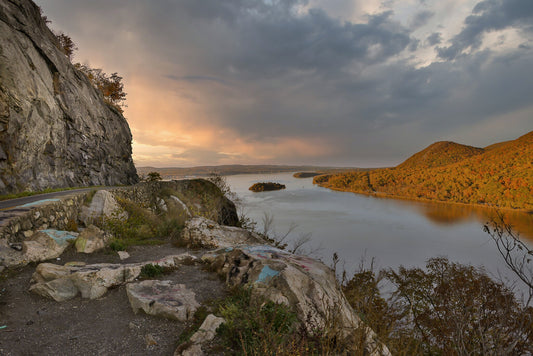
<point>356,227</point>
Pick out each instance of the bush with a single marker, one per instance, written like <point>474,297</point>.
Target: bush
<point>151,271</point>
<point>257,327</point>
<point>117,245</point>
<point>448,309</point>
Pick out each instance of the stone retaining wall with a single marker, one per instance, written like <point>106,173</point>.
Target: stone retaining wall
<point>61,215</point>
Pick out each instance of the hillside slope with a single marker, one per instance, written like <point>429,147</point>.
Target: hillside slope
<point>55,128</point>
<point>440,154</point>
<point>500,176</point>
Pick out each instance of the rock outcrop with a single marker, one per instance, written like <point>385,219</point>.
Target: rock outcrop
<point>207,233</point>
<point>305,284</point>
<point>56,130</point>
<point>91,281</point>
<point>193,197</point>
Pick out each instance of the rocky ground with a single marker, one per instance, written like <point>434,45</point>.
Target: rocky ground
<point>82,302</point>
<point>106,326</point>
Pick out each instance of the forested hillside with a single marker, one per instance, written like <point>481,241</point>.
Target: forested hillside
<point>499,175</point>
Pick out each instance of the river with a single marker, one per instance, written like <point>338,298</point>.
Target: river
<point>357,227</point>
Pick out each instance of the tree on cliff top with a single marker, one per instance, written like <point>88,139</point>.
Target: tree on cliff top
<point>67,45</point>
<point>110,86</point>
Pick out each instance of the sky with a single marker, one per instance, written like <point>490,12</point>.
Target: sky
<point>320,82</point>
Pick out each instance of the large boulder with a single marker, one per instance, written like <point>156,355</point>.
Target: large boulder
<point>306,285</point>
<point>91,281</point>
<point>162,298</point>
<point>56,129</point>
<point>103,206</point>
<point>203,232</point>
<point>91,239</point>
<point>41,246</point>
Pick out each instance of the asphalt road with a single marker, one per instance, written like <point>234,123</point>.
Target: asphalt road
<point>6,205</point>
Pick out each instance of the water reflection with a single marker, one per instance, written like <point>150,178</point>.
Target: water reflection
<point>450,214</point>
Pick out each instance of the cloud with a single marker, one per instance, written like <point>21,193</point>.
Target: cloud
<point>292,81</point>
<point>421,18</point>
<point>489,15</point>
<point>434,38</point>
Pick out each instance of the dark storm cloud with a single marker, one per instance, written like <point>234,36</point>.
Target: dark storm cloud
<point>489,15</point>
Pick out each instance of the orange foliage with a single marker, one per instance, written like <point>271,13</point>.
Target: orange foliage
<point>500,175</point>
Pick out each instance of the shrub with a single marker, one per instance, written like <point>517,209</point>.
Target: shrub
<point>151,271</point>
<point>257,327</point>
<point>117,245</point>
<point>448,309</point>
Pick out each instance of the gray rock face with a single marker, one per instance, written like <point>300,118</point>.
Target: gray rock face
<point>55,128</point>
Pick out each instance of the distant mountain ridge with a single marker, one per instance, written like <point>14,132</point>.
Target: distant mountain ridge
<point>499,175</point>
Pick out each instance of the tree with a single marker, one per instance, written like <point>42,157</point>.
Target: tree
<point>516,254</point>
<point>153,177</point>
<point>111,86</point>
<point>67,45</point>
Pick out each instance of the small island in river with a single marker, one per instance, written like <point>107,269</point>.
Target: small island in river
<point>306,174</point>
<point>266,186</point>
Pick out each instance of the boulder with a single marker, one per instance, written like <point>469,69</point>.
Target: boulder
<point>162,298</point>
<point>41,246</point>
<point>91,281</point>
<point>91,239</point>
<point>200,231</point>
<point>123,255</point>
<point>103,206</point>
<point>306,285</point>
<point>205,333</point>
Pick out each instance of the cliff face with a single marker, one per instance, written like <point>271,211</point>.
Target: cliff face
<point>55,128</point>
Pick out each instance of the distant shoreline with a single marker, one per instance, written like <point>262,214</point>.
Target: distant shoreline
<point>227,170</point>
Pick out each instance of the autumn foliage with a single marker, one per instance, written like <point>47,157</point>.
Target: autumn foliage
<point>499,175</point>
<point>110,86</point>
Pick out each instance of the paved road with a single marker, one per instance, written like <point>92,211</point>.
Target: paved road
<point>19,202</point>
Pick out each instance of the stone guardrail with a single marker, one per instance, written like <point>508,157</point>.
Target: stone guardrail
<point>58,213</point>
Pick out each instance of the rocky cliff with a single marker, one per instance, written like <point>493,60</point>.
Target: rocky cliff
<point>55,128</point>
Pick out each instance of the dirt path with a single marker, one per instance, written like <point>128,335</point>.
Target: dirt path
<point>107,326</point>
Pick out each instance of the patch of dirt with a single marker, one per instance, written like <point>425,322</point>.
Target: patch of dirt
<point>106,326</point>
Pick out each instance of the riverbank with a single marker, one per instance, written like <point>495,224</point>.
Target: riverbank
<point>426,200</point>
